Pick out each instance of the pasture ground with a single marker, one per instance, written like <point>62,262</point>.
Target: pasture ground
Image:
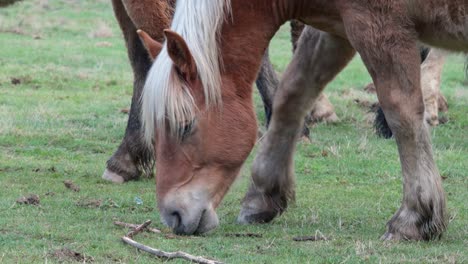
<point>64,79</point>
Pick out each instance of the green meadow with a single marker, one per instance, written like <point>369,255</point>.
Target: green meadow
<point>65,82</point>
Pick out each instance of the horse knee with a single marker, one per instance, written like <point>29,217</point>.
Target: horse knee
<point>402,115</point>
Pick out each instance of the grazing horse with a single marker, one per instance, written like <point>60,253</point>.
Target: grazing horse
<point>197,101</point>
<point>152,16</point>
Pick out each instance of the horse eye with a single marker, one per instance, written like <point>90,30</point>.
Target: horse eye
<point>187,129</point>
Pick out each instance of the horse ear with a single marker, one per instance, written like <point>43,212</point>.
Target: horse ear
<point>152,46</point>
<point>180,55</point>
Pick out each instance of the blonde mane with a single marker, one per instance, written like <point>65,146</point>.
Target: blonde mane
<point>166,99</point>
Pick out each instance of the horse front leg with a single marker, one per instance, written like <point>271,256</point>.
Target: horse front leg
<point>133,155</point>
<point>319,57</point>
<point>390,53</point>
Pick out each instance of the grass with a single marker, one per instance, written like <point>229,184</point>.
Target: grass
<point>63,120</point>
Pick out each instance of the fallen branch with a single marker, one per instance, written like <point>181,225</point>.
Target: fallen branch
<point>159,253</point>
<point>138,229</point>
<point>243,235</point>
<point>169,255</point>
<point>133,226</point>
<point>310,238</point>
<point>318,237</point>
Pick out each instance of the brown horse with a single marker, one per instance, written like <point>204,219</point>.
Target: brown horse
<point>197,100</point>
<point>133,156</point>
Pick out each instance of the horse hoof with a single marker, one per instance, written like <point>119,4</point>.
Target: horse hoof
<point>388,237</point>
<point>396,236</point>
<point>433,121</point>
<point>249,216</point>
<point>112,177</point>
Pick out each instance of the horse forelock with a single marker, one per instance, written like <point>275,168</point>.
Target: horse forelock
<point>166,99</point>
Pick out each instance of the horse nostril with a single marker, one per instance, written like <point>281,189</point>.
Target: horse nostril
<point>176,219</point>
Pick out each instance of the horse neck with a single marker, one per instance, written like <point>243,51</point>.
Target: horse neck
<point>150,15</point>
<point>246,34</point>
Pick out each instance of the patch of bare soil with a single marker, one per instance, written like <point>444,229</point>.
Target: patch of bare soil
<point>18,80</point>
<point>32,199</point>
<point>102,31</point>
<point>65,254</point>
<point>103,44</point>
<point>70,185</point>
<point>89,203</point>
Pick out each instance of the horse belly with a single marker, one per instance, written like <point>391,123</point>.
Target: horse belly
<point>333,25</point>
<point>442,23</point>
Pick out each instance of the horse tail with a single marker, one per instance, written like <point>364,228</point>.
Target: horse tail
<point>466,69</point>
<point>382,129</point>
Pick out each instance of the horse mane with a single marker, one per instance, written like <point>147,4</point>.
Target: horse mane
<point>166,99</point>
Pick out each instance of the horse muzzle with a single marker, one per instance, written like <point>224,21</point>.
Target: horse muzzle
<point>188,215</point>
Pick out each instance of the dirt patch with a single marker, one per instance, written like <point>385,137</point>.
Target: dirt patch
<point>102,31</point>
<point>243,235</point>
<point>311,238</point>
<point>49,193</point>
<point>15,81</point>
<point>70,185</point>
<point>65,254</point>
<point>370,88</point>
<point>32,199</point>
<point>89,203</point>
<point>18,80</point>
<point>103,44</point>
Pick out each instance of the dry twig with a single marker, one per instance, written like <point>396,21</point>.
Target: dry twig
<point>169,255</point>
<point>133,226</point>
<point>318,236</point>
<point>159,253</point>
<point>243,235</point>
<point>138,229</point>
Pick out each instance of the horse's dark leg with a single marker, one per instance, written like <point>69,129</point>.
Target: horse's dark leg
<point>319,57</point>
<point>133,155</point>
<point>390,53</point>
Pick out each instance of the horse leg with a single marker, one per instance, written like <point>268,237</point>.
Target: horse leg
<point>390,53</point>
<point>322,110</point>
<point>431,71</point>
<point>132,154</point>
<point>319,57</point>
